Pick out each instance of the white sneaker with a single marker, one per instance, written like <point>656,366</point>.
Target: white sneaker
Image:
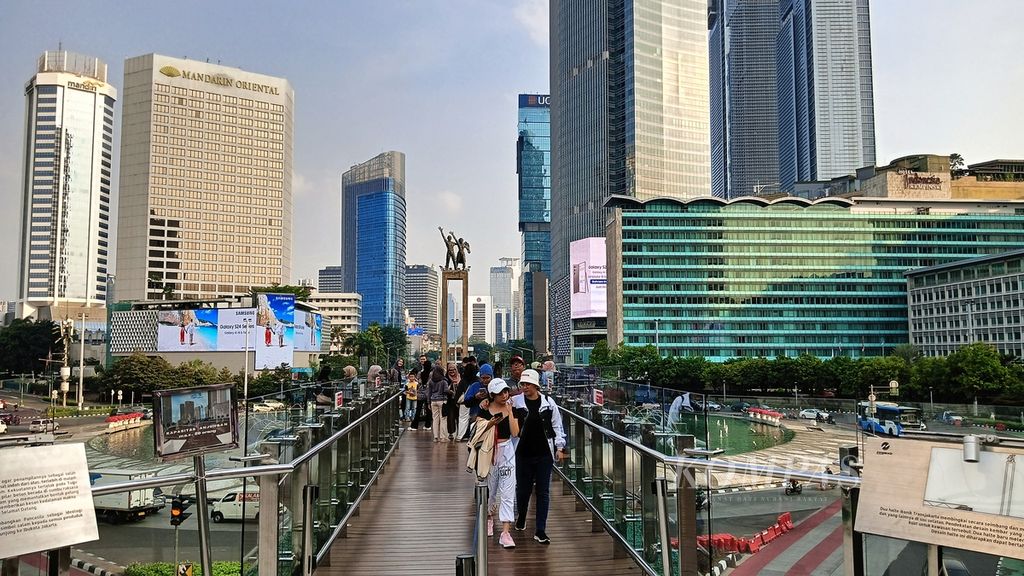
<point>506,540</point>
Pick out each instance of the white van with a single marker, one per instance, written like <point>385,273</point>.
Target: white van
<point>42,425</point>
<point>230,506</point>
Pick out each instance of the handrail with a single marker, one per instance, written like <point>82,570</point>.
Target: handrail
<point>714,465</point>
<point>230,473</point>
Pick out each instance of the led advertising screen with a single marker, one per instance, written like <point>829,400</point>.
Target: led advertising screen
<point>309,329</point>
<point>589,278</point>
<point>193,421</point>
<point>275,329</point>
<point>204,329</point>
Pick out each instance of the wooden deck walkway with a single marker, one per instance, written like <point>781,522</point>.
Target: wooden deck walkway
<point>420,516</point>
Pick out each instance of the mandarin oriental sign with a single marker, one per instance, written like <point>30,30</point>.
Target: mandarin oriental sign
<point>220,80</point>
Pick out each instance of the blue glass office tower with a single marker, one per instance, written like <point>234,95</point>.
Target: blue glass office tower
<point>533,164</point>
<point>744,112</point>
<point>825,93</point>
<point>373,237</point>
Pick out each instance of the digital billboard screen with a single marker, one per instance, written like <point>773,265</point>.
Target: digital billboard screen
<point>589,269</point>
<point>309,329</point>
<point>204,329</point>
<point>275,329</point>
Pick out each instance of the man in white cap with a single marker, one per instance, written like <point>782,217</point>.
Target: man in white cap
<point>541,443</point>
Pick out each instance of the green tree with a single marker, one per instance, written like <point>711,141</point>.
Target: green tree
<point>976,371</point>
<point>25,344</point>
<point>396,343</point>
<point>483,351</point>
<point>636,361</point>
<point>908,352</point>
<point>194,373</point>
<point>599,356</point>
<point>956,166</point>
<point>138,372</point>
<point>300,292</point>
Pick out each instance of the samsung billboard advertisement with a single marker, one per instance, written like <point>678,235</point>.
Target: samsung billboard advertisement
<point>589,277</point>
<point>275,330</point>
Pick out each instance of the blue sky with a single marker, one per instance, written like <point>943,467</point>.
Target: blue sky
<point>438,79</point>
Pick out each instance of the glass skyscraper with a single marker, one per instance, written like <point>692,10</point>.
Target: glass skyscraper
<point>66,230</point>
<point>752,277</point>
<point>373,237</point>
<point>744,111</point>
<point>629,113</point>
<point>825,94</point>
<point>533,164</point>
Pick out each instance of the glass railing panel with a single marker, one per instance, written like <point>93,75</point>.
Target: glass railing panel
<point>884,555</point>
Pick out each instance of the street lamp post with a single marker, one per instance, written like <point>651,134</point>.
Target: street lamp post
<point>81,364</point>
<point>931,401</point>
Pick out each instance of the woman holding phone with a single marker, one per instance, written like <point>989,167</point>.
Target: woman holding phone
<point>502,479</point>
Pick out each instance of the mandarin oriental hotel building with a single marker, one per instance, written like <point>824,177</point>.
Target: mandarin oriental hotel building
<point>756,277</point>
<point>205,208</point>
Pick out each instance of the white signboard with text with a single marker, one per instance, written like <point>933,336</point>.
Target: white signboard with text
<point>46,499</point>
<point>940,498</point>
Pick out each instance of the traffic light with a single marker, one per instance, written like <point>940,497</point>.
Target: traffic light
<point>178,514</point>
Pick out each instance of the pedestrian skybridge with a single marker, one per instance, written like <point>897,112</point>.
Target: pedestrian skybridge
<point>358,493</point>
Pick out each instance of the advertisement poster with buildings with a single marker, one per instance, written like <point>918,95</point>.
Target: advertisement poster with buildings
<point>191,421</point>
<point>275,319</point>
<point>308,331</point>
<point>588,260</point>
<point>946,495</point>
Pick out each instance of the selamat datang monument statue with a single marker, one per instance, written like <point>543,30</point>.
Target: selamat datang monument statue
<point>454,269</point>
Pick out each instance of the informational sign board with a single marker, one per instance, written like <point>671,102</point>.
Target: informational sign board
<point>193,421</point>
<point>598,397</point>
<point>925,491</point>
<point>184,569</point>
<point>339,399</point>
<point>589,295</point>
<point>45,499</point>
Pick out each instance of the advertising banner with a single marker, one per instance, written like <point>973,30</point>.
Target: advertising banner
<point>204,330</point>
<point>192,421</point>
<point>940,493</point>
<point>309,328</point>
<point>588,260</point>
<point>275,320</point>
<point>47,502</point>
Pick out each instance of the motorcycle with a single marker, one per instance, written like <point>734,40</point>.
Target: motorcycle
<point>825,419</point>
<point>794,488</point>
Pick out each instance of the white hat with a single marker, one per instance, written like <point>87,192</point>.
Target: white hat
<point>496,386</point>
<point>529,377</point>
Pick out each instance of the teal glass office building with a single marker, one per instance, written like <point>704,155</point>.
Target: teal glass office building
<point>753,277</point>
<point>533,165</point>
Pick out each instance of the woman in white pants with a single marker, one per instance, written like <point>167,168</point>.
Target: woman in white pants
<point>502,479</point>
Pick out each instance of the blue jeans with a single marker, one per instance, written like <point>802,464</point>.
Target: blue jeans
<point>410,409</point>
<point>530,472</point>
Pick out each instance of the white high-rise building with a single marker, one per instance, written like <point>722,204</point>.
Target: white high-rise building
<point>505,296</point>
<point>205,205</point>
<point>481,319</point>
<point>66,228</point>
<point>422,284</point>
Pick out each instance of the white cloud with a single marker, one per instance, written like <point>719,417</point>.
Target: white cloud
<point>450,202</point>
<point>533,15</point>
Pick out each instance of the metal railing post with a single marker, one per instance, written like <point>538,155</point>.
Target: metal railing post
<point>58,561</point>
<point>661,493</point>
<point>481,528</point>
<point>203,511</point>
<point>686,511</point>
<point>310,492</point>
<point>268,524</point>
